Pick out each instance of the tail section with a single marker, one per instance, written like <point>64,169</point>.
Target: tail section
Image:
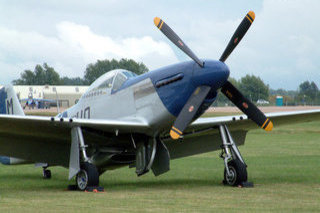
<point>9,103</point>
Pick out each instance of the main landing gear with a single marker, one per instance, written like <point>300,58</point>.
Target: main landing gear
<point>87,176</point>
<point>235,172</point>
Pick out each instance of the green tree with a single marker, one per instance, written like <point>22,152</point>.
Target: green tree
<point>94,71</point>
<point>253,88</point>
<point>72,81</point>
<point>40,76</point>
<point>308,93</point>
<point>51,76</point>
<point>27,78</point>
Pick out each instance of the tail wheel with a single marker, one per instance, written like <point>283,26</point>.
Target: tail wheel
<point>46,174</point>
<point>87,176</point>
<point>238,173</point>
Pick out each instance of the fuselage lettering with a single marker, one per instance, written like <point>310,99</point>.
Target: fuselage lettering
<point>83,113</point>
<point>87,113</point>
<point>9,105</point>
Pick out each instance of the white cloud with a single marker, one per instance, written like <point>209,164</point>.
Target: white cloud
<point>73,48</point>
<point>94,46</point>
<point>280,47</point>
<point>283,41</point>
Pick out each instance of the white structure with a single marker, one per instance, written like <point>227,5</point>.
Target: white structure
<point>67,95</point>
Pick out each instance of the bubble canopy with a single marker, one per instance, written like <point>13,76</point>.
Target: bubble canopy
<point>113,79</point>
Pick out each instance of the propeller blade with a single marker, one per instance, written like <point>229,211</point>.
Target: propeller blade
<point>238,35</point>
<point>188,111</point>
<point>167,31</point>
<point>246,106</point>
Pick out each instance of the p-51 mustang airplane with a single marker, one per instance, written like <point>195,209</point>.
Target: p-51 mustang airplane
<point>142,121</point>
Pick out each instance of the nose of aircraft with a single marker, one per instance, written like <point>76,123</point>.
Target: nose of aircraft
<point>213,74</point>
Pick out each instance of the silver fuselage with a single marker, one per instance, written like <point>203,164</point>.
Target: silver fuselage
<point>137,102</point>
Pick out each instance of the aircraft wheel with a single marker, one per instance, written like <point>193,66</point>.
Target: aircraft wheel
<point>238,173</point>
<point>46,174</point>
<point>87,176</point>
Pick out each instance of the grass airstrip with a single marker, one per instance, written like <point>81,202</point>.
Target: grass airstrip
<point>284,166</point>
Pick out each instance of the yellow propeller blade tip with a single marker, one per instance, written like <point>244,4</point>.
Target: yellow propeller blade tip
<point>174,135</point>
<point>252,15</point>
<point>156,21</point>
<point>269,127</point>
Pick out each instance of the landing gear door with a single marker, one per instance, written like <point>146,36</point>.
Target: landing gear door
<point>161,163</point>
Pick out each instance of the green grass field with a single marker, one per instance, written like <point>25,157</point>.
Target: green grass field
<point>284,166</point>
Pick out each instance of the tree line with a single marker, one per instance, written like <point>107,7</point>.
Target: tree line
<point>44,74</point>
<point>255,89</point>
<point>308,93</point>
<point>251,86</point>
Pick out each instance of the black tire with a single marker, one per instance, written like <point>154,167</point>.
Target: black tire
<point>87,176</point>
<point>46,174</point>
<point>238,173</point>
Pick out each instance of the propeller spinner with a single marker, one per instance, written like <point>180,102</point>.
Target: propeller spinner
<point>233,94</point>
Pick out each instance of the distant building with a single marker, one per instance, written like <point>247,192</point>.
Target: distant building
<point>67,95</point>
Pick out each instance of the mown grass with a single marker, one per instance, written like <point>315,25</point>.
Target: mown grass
<point>284,166</point>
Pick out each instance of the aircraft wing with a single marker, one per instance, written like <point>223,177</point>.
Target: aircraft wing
<point>45,139</point>
<point>203,134</point>
<point>241,122</point>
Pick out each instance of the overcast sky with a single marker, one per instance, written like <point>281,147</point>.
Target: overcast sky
<point>282,45</point>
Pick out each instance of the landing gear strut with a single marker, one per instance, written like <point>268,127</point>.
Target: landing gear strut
<point>235,172</point>
<point>87,177</point>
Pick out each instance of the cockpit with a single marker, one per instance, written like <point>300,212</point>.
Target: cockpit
<point>109,82</point>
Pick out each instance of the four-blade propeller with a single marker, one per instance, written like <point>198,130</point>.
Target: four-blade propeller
<point>234,95</point>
